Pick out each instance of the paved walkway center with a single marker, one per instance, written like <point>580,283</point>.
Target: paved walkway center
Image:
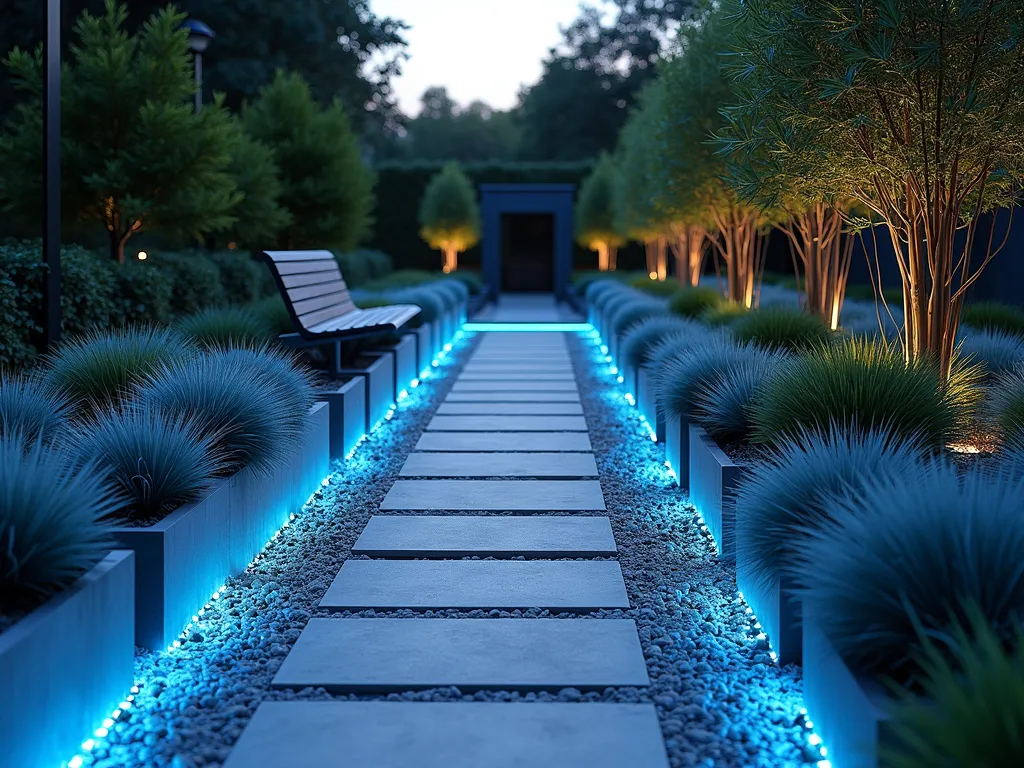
<point>505,470</point>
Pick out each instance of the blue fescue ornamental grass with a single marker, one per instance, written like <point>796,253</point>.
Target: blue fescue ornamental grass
<point>158,460</point>
<point>1004,408</point>
<point>997,350</point>
<point>246,419</point>
<point>633,311</point>
<point>693,301</point>
<point>100,368</point>
<point>680,379</point>
<point>781,328</point>
<point>867,385</point>
<point>226,325</point>
<point>970,709</point>
<point>276,371</point>
<point>597,288</point>
<point>52,506</point>
<point>30,409</point>
<point>904,558</point>
<point>640,337</point>
<point>676,342</point>
<point>723,405</point>
<point>789,491</point>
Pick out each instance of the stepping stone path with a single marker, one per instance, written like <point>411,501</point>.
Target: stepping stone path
<point>513,417</point>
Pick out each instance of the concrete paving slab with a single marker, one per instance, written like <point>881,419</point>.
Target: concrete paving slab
<point>547,464</point>
<point>486,536</point>
<point>385,655</point>
<point>499,495</point>
<point>522,367</point>
<point>463,442</point>
<point>507,424</point>
<point>510,409</point>
<point>474,376</point>
<point>514,386</point>
<point>420,734</point>
<point>512,397</point>
<point>565,585</point>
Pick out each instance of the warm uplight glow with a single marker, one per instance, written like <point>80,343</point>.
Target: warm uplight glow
<point>232,246</point>
<point>653,275</point>
<point>143,255</point>
<point>965,448</point>
<point>446,269</point>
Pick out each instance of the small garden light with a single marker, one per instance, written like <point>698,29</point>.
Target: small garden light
<point>143,255</point>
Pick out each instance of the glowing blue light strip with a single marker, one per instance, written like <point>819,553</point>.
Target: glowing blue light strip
<point>529,327</point>
<point>813,739</point>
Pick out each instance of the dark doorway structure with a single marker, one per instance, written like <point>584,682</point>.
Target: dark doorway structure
<point>527,237</point>
<point>528,252</point>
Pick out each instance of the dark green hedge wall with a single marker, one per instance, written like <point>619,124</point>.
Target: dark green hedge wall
<point>400,188</point>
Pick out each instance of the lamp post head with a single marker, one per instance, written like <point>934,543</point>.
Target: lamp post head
<point>199,35</point>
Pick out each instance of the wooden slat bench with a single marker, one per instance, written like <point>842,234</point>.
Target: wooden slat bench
<point>320,306</point>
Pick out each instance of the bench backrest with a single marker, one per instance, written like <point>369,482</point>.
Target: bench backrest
<point>311,285</point>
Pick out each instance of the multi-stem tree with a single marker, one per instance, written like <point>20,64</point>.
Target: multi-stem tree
<point>913,109</point>
<point>449,216</point>
<point>697,88</point>
<point>596,225</point>
<point>647,206</point>
<point>135,154</point>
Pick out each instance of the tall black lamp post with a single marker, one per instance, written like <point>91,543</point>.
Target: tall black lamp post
<point>51,171</point>
<point>199,38</point>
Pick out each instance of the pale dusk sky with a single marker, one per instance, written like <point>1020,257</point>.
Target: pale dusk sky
<point>478,49</point>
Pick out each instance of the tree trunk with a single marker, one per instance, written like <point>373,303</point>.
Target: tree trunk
<point>602,257</point>
<point>613,254</point>
<point>742,248</point>
<point>451,260</point>
<point>816,237</point>
<point>662,257</point>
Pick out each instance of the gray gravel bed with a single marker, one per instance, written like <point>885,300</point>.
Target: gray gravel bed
<point>720,700</point>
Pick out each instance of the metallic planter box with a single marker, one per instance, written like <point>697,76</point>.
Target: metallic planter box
<point>777,611</point>
<point>677,449</point>
<point>348,415</point>
<point>67,665</point>
<point>403,363</point>
<point>647,403</point>
<point>713,479</point>
<point>183,559</point>
<point>848,712</point>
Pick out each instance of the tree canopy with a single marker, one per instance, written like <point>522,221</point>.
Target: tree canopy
<point>910,107</point>
<point>449,215</point>
<point>595,218</point>
<point>326,187</point>
<point>135,154</point>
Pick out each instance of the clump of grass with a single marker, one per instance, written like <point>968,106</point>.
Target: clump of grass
<point>1004,408</point>
<point>157,460</point>
<point>781,328</point>
<point>30,409</point>
<point>681,378</point>
<point>223,326</point>
<point>51,513</point>
<point>247,420</point>
<point>789,491</point>
<point>640,337</point>
<point>867,385</point>
<point>970,710</point>
<point>274,313</point>
<point>693,301</point>
<point>678,341</point>
<point>902,559</point>
<point>100,368</point>
<point>632,312</point>
<point>998,351</point>
<point>724,403</point>
<point>994,316</point>
<point>725,315</point>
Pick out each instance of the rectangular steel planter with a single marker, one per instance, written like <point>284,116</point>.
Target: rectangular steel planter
<point>183,559</point>
<point>67,665</point>
<point>713,479</point>
<point>403,363</point>
<point>848,712</point>
<point>380,388</point>
<point>423,336</point>
<point>348,415</point>
<point>677,448</point>
<point>628,374</point>
<point>776,608</point>
<point>647,403</point>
